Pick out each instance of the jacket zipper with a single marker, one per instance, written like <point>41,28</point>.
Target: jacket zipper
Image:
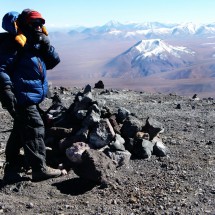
<point>40,66</point>
<point>41,72</point>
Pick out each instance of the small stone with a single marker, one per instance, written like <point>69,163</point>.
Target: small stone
<point>30,205</point>
<point>63,172</point>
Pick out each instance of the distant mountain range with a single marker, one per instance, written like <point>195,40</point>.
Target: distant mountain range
<point>144,30</point>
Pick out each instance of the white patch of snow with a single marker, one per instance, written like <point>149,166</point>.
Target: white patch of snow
<point>115,32</point>
<point>156,47</point>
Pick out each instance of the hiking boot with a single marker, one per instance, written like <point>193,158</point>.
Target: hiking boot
<point>45,173</point>
<point>11,175</point>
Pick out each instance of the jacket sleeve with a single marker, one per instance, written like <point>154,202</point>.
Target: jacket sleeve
<point>5,69</point>
<point>51,58</point>
<point>8,52</point>
<point>7,97</point>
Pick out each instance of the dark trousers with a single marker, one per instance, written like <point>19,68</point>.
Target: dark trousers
<point>28,132</point>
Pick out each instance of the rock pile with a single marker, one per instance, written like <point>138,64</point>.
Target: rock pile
<point>97,141</point>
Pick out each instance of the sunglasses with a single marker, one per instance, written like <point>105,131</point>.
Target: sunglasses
<point>36,23</point>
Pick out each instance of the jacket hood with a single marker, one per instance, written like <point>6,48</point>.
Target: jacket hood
<point>8,22</point>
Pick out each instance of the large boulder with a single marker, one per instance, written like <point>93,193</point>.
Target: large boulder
<point>96,166</point>
<point>102,134</point>
<point>143,148</point>
<point>153,127</point>
<point>130,127</point>
<point>75,152</point>
<point>99,85</point>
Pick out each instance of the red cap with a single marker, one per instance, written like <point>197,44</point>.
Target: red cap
<point>34,15</point>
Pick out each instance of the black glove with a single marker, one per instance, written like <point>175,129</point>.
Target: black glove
<point>43,40</point>
<point>8,100</point>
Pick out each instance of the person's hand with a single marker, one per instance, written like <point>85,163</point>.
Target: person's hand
<point>8,100</point>
<point>43,40</point>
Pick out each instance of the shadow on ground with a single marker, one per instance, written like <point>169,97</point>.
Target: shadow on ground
<point>75,186</point>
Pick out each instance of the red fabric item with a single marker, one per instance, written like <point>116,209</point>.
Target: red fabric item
<point>34,15</point>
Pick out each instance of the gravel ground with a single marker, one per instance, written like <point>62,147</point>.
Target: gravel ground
<point>181,183</point>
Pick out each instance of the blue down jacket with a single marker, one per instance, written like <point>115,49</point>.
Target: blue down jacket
<point>24,70</point>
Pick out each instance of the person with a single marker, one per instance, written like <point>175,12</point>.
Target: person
<point>25,55</point>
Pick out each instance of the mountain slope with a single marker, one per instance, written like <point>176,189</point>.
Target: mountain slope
<point>149,57</point>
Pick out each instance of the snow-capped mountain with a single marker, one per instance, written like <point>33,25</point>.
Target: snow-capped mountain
<point>192,29</point>
<point>146,30</point>
<point>149,57</point>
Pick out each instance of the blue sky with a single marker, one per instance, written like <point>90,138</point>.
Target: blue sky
<point>98,12</point>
